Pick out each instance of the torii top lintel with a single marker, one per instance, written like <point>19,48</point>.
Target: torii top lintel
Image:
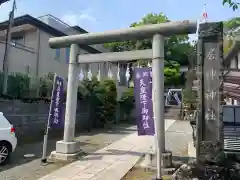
<point>133,33</point>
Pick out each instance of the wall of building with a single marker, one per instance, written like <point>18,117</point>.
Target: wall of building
<point>30,119</point>
<point>20,58</point>
<point>38,59</point>
<point>48,61</point>
<point>235,63</point>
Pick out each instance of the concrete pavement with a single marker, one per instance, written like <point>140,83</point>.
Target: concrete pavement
<point>111,162</point>
<point>178,137</point>
<point>21,168</point>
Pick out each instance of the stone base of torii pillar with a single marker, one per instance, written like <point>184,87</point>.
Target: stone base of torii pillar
<point>66,151</point>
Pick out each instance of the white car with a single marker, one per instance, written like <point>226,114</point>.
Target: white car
<point>8,140</point>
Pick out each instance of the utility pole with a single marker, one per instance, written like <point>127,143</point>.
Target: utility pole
<point>8,48</point>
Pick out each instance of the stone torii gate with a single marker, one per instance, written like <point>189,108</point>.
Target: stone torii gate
<point>68,147</point>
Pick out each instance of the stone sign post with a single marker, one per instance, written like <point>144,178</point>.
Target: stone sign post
<point>210,59</point>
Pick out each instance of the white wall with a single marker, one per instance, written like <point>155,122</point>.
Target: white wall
<point>49,63</point>
<point>19,59</point>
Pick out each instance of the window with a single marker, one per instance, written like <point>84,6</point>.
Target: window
<point>67,55</point>
<point>19,40</point>
<point>228,114</point>
<point>57,54</point>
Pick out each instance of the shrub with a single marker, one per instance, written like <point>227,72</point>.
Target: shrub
<point>101,96</point>
<point>102,100</point>
<point>110,99</point>
<point>190,98</point>
<point>46,84</point>
<point>18,85</point>
<point>127,104</point>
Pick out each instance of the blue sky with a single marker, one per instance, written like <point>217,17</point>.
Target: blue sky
<point>100,15</point>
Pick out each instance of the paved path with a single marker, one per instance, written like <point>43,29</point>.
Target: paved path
<point>177,138</point>
<point>109,163</point>
<point>21,168</point>
<point>178,135</point>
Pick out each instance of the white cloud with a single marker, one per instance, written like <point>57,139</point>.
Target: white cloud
<point>4,11</point>
<point>78,19</point>
<point>70,19</point>
<point>87,17</point>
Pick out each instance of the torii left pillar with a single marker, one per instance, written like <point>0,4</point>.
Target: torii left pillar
<point>67,148</point>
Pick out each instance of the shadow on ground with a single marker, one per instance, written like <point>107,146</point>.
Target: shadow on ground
<point>87,144</point>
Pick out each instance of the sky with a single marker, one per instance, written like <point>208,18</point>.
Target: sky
<point>101,15</point>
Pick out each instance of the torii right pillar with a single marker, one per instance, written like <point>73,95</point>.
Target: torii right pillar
<point>210,122</point>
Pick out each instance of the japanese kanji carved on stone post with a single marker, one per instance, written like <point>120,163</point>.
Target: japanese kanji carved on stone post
<point>210,59</point>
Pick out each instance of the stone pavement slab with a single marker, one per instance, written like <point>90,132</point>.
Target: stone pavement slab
<point>21,168</point>
<point>109,163</point>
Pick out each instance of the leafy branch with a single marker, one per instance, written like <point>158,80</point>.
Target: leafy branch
<point>232,4</point>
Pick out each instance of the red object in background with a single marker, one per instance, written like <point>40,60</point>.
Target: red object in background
<point>205,15</point>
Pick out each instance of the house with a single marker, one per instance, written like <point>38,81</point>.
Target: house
<point>31,54</point>
<point>231,70</point>
<point>232,73</point>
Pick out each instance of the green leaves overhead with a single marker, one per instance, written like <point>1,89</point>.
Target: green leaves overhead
<point>234,4</point>
<point>176,47</point>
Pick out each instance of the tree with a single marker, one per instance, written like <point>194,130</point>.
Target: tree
<point>229,27</point>
<point>232,23</point>
<point>232,4</point>
<point>172,73</point>
<point>176,47</point>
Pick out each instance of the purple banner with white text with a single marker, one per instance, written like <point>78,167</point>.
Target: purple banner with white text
<point>143,101</point>
<point>56,119</point>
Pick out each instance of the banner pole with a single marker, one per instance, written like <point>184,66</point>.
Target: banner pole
<point>45,138</point>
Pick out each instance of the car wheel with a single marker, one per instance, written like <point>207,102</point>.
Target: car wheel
<point>4,153</point>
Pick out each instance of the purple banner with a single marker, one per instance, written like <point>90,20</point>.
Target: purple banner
<point>143,101</point>
<point>56,117</point>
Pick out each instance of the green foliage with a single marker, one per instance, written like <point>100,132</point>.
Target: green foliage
<point>46,84</point>
<point>177,48</point>
<point>127,103</point>
<point>232,4</point>
<point>232,23</point>
<point>229,37</point>
<point>102,98</point>
<point>189,96</point>
<point>18,85</point>
<point>172,73</point>
<point>110,99</point>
